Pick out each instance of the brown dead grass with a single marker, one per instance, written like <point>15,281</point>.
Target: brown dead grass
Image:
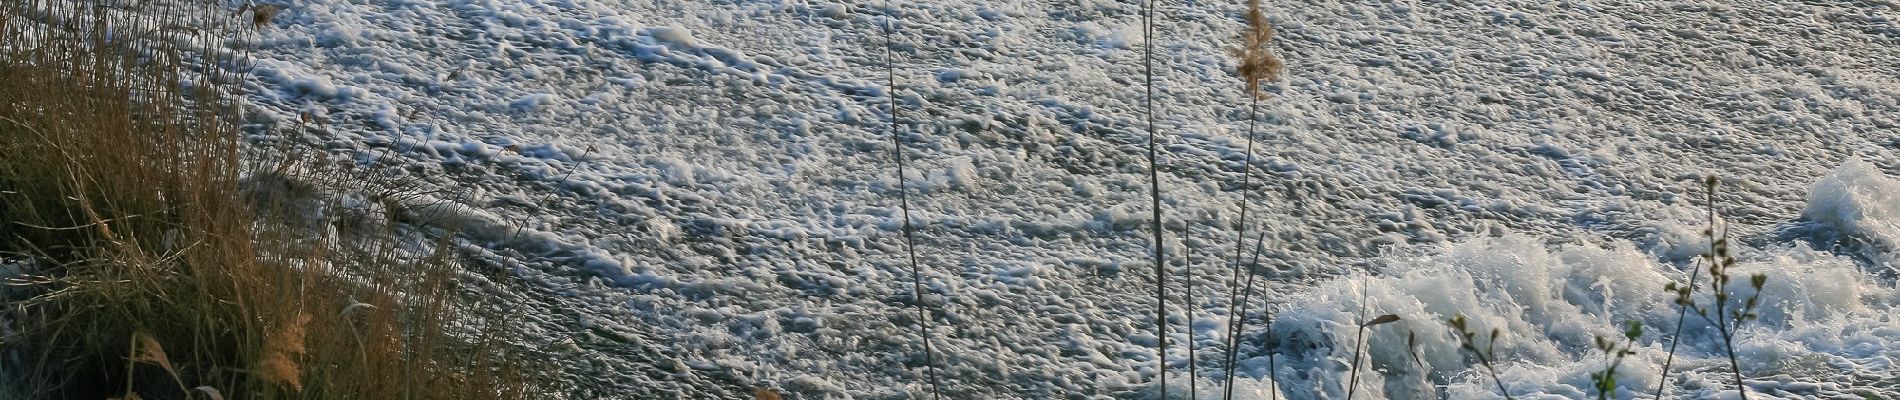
<point>1258,64</point>
<point>158,273</point>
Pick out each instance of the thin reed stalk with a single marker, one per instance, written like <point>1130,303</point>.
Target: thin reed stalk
<point>1273,367</point>
<point>1194,376</point>
<point>1467,341</point>
<point>557,187</point>
<point>1239,317</point>
<point>1240,237</point>
<point>1154,190</point>
<point>1257,64</point>
<point>1727,318</point>
<point>1675,336</point>
<point>903,195</point>
<point>1358,341</point>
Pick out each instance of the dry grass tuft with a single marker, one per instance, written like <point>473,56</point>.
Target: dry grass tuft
<point>765,394</point>
<point>261,15</point>
<point>1258,64</point>
<point>149,351</point>
<point>165,263</point>
<point>281,350</point>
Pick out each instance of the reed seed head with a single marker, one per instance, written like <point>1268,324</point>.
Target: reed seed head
<point>1258,64</point>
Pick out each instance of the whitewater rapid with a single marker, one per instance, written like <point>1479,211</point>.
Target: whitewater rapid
<point>1828,323</point>
<point>695,199</point>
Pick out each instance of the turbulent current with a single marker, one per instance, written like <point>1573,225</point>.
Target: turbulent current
<point>697,199</point>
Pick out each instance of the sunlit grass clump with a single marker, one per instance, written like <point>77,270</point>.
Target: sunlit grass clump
<point>151,257</point>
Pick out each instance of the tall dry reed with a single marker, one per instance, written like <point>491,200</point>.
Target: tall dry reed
<point>165,267</point>
<point>903,195</point>
<point>1257,64</point>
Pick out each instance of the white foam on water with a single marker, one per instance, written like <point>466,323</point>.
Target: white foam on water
<point>693,173</point>
<point>1824,320</point>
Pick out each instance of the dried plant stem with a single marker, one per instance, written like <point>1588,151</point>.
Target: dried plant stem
<point>1727,329</point>
<point>1358,348</point>
<point>1257,64</point>
<point>1486,360</point>
<point>550,194</point>
<point>903,195</point>
<point>1187,289</point>
<point>1240,320</point>
<point>1682,314</point>
<point>1273,368</point>
<point>1726,318</point>
<point>1154,186</point>
<point>1240,240</point>
<point>1467,341</point>
<point>1718,258</point>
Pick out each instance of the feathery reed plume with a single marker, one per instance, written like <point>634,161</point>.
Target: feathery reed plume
<point>903,195</point>
<point>765,394</point>
<point>1257,64</point>
<point>282,348</point>
<point>261,14</point>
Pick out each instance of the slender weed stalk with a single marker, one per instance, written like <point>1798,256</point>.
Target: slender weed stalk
<point>1352,378</point>
<point>558,183</point>
<point>903,195</point>
<point>1359,346</point>
<point>1605,380</point>
<point>1194,387</point>
<point>1412,349</point>
<point>565,176</point>
<point>1467,341</point>
<point>1154,190</point>
<point>1675,337</point>
<point>1682,308</point>
<point>1240,321</point>
<point>1257,64</point>
<point>1721,312</point>
<point>1273,382</point>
